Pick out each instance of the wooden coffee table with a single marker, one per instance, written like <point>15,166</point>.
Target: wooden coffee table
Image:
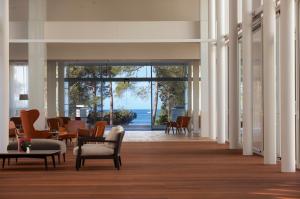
<point>36,154</point>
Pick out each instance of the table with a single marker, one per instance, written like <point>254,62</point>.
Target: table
<point>39,154</point>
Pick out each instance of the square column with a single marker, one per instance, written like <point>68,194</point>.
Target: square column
<point>204,69</point>
<point>247,77</point>
<point>51,89</point>
<point>212,71</point>
<point>196,96</point>
<point>269,72</point>
<point>234,101</point>
<point>37,61</point>
<point>61,90</point>
<point>4,74</point>
<point>221,71</point>
<point>288,98</point>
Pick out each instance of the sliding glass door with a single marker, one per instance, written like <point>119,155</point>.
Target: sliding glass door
<point>132,95</point>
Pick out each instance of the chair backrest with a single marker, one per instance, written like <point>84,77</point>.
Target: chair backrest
<point>179,120</point>
<point>100,128</point>
<point>114,135</point>
<point>17,121</point>
<point>28,118</point>
<point>64,121</point>
<point>185,121</point>
<point>53,124</point>
<point>74,125</point>
<point>119,141</point>
<point>12,129</point>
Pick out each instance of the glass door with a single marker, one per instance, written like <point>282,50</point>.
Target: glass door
<point>169,96</point>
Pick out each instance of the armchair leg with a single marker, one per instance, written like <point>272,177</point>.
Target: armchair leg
<point>78,162</point>
<point>83,162</point>
<point>120,161</point>
<point>117,163</point>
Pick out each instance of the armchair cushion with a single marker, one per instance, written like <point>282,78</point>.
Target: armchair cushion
<point>112,136</point>
<point>94,150</point>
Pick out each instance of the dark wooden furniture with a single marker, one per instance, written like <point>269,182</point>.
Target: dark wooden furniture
<point>39,154</point>
<point>181,125</point>
<point>115,156</point>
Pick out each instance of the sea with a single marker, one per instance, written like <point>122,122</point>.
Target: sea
<point>143,117</point>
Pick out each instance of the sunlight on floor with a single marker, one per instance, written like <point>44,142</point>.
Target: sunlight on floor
<point>160,136</point>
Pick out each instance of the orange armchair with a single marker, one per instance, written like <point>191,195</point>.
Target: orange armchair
<point>99,129</point>
<point>28,119</point>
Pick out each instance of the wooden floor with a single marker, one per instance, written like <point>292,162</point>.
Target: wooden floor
<point>175,170</point>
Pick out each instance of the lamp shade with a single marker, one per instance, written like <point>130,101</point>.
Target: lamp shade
<point>23,97</point>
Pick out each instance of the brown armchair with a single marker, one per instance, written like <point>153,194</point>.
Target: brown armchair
<point>12,130</point>
<point>98,131</point>
<point>17,121</point>
<point>28,119</point>
<point>181,125</point>
<point>54,124</point>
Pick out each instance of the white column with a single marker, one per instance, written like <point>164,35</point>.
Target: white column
<point>61,90</point>
<point>287,66</point>
<point>189,94</point>
<point>234,119</point>
<point>4,74</point>
<point>269,71</point>
<point>212,71</point>
<point>37,54</point>
<point>256,4</point>
<point>204,69</point>
<point>247,77</point>
<point>51,89</point>
<point>196,87</point>
<point>221,76</point>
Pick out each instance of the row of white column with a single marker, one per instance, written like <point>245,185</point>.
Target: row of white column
<point>217,82</point>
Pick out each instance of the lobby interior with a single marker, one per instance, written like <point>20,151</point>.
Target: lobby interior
<point>205,92</point>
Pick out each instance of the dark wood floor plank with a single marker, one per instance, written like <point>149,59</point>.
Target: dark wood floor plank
<point>167,170</point>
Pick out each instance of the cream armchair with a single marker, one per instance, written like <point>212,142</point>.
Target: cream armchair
<point>101,148</point>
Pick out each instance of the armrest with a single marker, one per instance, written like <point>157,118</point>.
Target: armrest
<point>83,133</point>
<point>42,134</point>
<point>82,140</point>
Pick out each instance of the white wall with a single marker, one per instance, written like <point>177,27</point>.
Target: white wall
<point>168,51</point>
<point>112,10</point>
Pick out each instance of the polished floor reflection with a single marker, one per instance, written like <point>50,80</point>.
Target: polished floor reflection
<point>154,170</point>
<point>161,136</point>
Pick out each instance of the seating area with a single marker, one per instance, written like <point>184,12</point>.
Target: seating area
<point>89,143</point>
<point>149,99</point>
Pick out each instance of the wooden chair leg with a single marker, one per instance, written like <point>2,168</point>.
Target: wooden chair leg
<point>116,163</point>
<point>83,162</point>
<point>120,161</point>
<point>78,162</point>
<point>58,158</point>
<point>64,157</point>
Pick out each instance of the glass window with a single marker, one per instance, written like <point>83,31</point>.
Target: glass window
<point>135,95</point>
<point>18,86</point>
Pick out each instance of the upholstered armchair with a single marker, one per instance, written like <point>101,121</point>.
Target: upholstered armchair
<point>12,130</point>
<point>181,125</point>
<point>101,148</point>
<point>54,124</point>
<point>28,119</point>
<point>75,126</point>
<point>98,131</point>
